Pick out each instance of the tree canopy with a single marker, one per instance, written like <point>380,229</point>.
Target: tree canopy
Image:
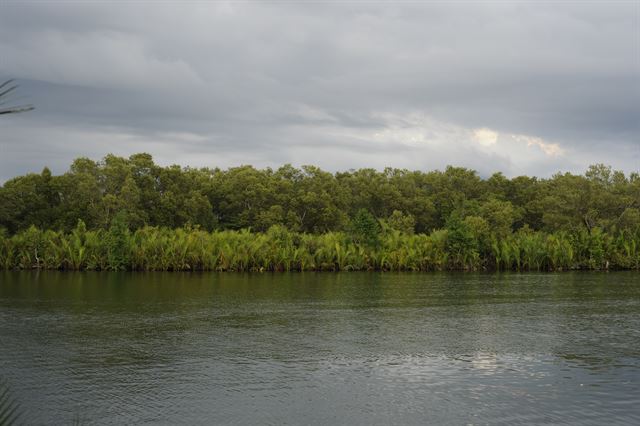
<point>311,200</point>
<point>130,213</point>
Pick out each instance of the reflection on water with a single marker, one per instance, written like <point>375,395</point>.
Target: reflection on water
<point>348,348</point>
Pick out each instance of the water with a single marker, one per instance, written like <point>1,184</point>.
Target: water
<point>347,348</point>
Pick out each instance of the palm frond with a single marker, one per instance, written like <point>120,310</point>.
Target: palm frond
<point>6,88</point>
<point>9,413</point>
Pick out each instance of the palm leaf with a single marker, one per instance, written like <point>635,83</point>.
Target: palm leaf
<point>9,413</point>
<point>5,89</point>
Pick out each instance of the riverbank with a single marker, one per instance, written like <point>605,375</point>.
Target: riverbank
<point>278,249</point>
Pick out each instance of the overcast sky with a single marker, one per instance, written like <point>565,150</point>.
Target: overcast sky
<point>521,88</point>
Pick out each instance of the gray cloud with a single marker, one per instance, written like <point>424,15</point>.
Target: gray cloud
<point>341,85</point>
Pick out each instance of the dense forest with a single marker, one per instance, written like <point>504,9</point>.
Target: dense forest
<point>122,213</point>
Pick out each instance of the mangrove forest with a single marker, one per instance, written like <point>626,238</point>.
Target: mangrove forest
<point>132,214</point>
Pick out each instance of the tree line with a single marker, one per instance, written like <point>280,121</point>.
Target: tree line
<point>129,213</point>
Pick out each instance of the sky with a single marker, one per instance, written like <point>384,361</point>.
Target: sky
<point>516,87</point>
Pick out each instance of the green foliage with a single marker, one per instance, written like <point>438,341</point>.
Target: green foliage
<point>117,243</point>
<point>365,229</point>
<point>461,244</point>
<point>481,233</point>
<point>279,249</point>
<point>129,213</point>
<point>310,200</point>
<point>500,216</point>
<point>398,221</point>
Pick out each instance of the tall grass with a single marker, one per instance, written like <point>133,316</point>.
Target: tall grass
<point>278,249</point>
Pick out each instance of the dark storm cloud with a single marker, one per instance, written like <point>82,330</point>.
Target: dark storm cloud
<point>338,85</point>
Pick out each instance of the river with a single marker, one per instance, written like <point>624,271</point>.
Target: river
<point>322,348</point>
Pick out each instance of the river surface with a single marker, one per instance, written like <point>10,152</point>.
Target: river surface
<point>345,348</point>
